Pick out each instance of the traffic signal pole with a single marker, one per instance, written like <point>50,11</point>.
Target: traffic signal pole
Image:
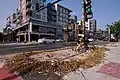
<point>86,14</point>
<point>84,20</point>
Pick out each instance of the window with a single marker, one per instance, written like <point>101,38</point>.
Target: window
<point>60,9</point>
<point>66,16</point>
<point>66,20</point>
<point>61,14</point>
<point>60,18</point>
<point>33,15</point>
<point>43,12</point>
<point>40,3</point>
<point>66,11</point>
<point>43,17</point>
<point>38,16</point>
<point>63,10</point>
<point>37,6</point>
<point>63,19</point>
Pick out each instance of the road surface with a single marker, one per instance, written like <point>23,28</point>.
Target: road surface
<point>9,49</point>
<point>17,48</point>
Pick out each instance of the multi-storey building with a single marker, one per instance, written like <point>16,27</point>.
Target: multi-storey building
<point>60,15</point>
<point>72,30</point>
<point>11,23</point>
<point>91,27</point>
<point>31,24</point>
<point>63,15</point>
<point>52,14</point>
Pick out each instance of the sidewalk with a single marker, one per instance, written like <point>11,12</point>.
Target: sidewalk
<point>109,70</point>
<point>22,43</point>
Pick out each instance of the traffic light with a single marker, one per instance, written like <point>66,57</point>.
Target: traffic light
<point>89,13</point>
<point>88,7</point>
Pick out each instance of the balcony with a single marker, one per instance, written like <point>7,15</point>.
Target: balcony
<point>53,18</point>
<point>49,24</point>
<point>54,13</point>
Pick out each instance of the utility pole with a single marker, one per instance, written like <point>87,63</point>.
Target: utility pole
<point>30,31</point>
<point>86,14</point>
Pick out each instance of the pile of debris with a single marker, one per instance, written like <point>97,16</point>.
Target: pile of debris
<point>24,63</point>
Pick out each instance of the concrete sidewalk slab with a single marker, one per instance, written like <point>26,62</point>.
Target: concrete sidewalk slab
<point>111,69</point>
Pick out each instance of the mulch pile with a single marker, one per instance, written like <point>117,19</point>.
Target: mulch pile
<point>22,63</point>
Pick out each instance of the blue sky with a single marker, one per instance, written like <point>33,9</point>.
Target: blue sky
<point>105,11</point>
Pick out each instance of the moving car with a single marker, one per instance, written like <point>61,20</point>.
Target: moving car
<point>46,40</point>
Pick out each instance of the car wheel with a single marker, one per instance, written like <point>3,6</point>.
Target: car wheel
<point>44,42</point>
<point>53,41</point>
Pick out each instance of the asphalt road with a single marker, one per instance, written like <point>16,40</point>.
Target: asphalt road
<point>9,49</point>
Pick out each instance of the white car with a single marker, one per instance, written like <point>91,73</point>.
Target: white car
<point>90,40</point>
<point>46,40</point>
<point>59,40</point>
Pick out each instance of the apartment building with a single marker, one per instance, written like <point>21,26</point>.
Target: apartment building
<point>63,15</point>
<point>28,6</point>
<point>30,26</point>
<point>60,15</point>
<point>91,27</point>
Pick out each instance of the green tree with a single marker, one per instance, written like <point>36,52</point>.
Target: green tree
<point>114,28</point>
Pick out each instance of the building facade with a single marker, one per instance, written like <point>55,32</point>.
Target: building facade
<point>63,15</point>
<point>31,24</point>
<point>60,15</point>
<point>91,26</point>
<point>73,29</point>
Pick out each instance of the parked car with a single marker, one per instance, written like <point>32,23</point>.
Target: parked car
<point>46,40</point>
<point>90,39</point>
<point>59,40</point>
